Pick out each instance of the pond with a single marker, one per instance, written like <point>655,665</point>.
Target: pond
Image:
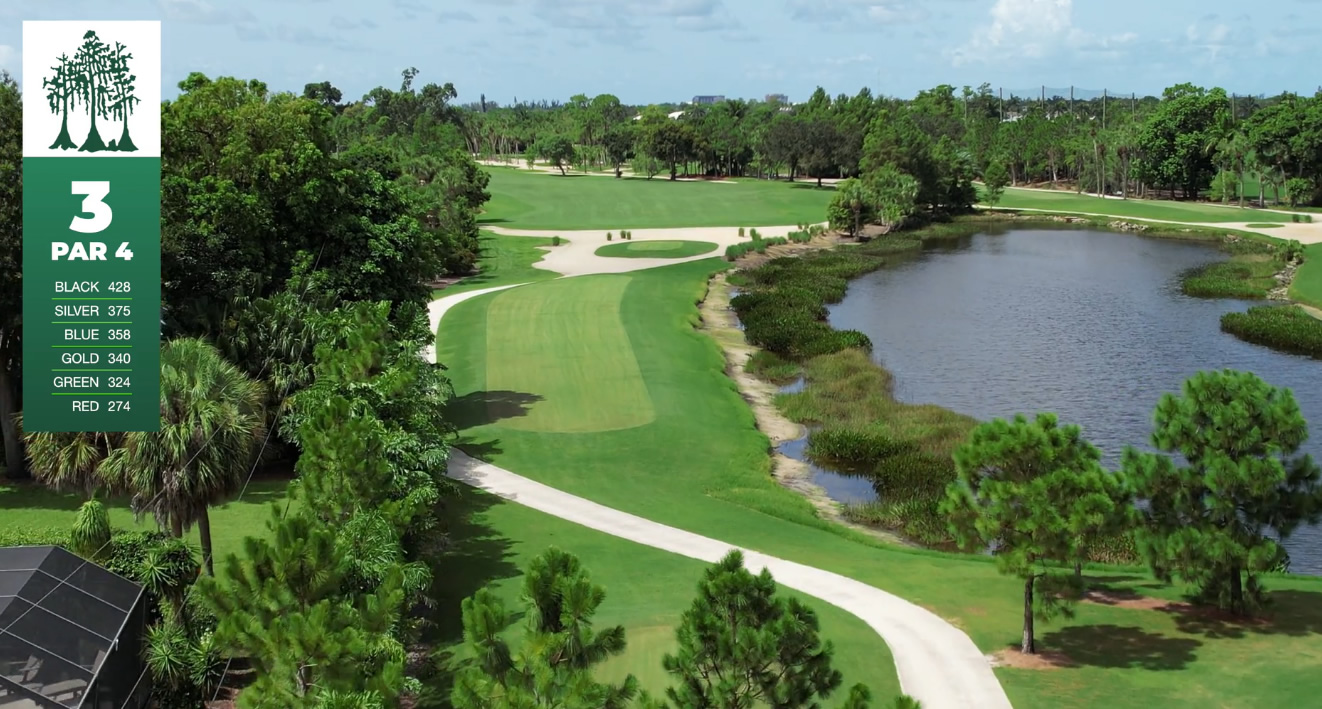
<point>1089,324</point>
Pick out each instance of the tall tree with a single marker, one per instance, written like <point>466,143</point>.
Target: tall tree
<point>741,645</point>
<point>1025,489</point>
<point>1172,139</point>
<point>211,423</point>
<point>1217,520</point>
<point>552,666</point>
<point>11,273</point>
<point>66,461</point>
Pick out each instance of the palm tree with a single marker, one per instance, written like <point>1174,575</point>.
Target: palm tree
<point>211,422</point>
<point>1234,151</point>
<point>71,461</point>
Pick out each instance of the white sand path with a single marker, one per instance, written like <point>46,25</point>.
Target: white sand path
<point>937,663</point>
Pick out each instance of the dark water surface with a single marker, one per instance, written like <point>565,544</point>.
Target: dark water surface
<point>1088,324</point>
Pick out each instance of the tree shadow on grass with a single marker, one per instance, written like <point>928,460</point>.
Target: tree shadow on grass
<point>492,220</point>
<point>483,407</point>
<point>476,555</point>
<point>1114,646</point>
<point>1293,613</point>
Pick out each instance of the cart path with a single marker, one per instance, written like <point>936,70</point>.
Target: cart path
<point>937,663</point>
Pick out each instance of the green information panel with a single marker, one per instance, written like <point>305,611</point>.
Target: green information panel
<point>91,227</point>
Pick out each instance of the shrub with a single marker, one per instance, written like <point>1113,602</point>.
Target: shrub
<point>741,232</point>
<point>753,233</point>
<point>913,473</point>
<point>34,536</point>
<point>608,236</point>
<point>630,233</point>
<point>555,241</point>
<point>1294,218</point>
<point>852,446</point>
<point>1285,328</point>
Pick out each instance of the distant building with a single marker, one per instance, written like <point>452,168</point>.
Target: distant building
<point>707,100</point>
<point>777,98</point>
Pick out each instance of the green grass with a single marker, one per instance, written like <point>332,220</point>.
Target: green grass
<point>582,379</point>
<point>702,465</point>
<point>1248,276</point>
<point>529,200</point>
<point>646,591</point>
<point>31,506</point>
<point>1147,209</point>
<point>656,249</point>
<point>1287,328</point>
<point>1307,285</point>
<point>505,260</point>
<point>1262,226</point>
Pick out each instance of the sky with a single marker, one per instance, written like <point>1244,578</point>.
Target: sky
<point>647,51</point>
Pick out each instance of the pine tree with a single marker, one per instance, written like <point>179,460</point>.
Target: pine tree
<point>1030,491</point>
<point>740,645</point>
<point>283,605</point>
<point>553,667</point>
<point>1212,521</point>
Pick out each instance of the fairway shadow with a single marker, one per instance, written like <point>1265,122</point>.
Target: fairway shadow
<point>1294,613</point>
<point>479,408</point>
<point>1114,646</point>
<point>810,186</point>
<point>493,220</point>
<point>475,556</point>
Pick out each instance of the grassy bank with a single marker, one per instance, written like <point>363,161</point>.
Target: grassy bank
<point>505,260</point>
<point>535,200</point>
<point>1287,328</point>
<point>1193,212</point>
<point>1307,286</point>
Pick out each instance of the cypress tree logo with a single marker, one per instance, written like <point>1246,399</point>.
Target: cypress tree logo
<point>98,82</point>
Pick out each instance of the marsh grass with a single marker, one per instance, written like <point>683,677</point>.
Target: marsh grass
<point>1285,328</point>
<point>1248,276</point>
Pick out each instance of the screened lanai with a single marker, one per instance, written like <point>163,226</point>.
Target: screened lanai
<point>70,633</point>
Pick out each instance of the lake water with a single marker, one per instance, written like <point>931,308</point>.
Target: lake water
<point>1089,324</point>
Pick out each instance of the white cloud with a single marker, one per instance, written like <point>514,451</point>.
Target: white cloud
<point>1033,29</point>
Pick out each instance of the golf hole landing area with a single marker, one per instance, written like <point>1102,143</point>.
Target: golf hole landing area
<point>565,343</point>
<point>656,249</point>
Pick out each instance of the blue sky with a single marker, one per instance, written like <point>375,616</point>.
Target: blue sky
<point>669,50</point>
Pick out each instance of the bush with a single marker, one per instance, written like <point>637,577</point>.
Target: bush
<point>608,236</point>
<point>1284,328</point>
<point>753,233</point>
<point>800,237</point>
<point>555,241</point>
<point>913,473</point>
<point>854,447</point>
<point>741,232</point>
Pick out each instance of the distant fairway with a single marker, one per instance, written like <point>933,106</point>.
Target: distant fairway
<point>1142,208</point>
<point>565,344</point>
<point>537,200</point>
<point>656,249</point>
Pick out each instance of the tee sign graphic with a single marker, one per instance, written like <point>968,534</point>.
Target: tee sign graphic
<point>91,226</point>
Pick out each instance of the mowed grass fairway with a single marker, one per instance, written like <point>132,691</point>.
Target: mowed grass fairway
<point>537,200</point>
<point>565,348</point>
<point>656,249</point>
<point>701,465</point>
<point>1307,286</point>
<point>1064,201</point>
<point>646,591</point>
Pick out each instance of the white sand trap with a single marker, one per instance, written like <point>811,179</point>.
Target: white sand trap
<point>578,257</point>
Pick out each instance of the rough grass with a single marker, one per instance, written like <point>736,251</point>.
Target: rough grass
<point>1244,276</point>
<point>564,348</point>
<point>532,200</point>
<point>1285,328</point>
<point>1262,226</point>
<point>656,249</point>
<point>505,260</point>
<point>646,591</point>
<point>1146,209</point>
